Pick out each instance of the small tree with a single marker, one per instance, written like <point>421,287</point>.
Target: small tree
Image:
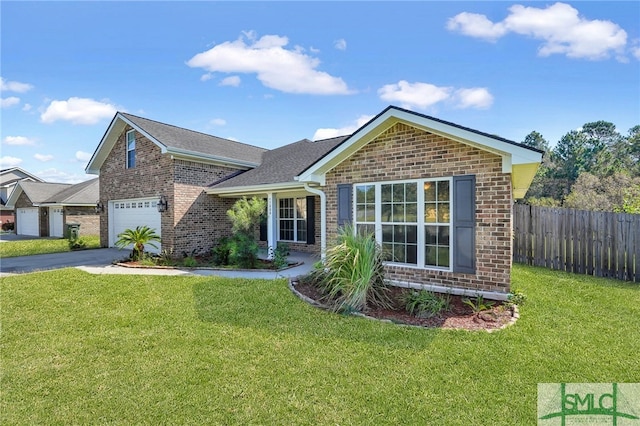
<point>138,237</point>
<point>245,216</point>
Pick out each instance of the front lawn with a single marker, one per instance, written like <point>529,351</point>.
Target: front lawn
<point>43,246</point>
<point>86,349</point>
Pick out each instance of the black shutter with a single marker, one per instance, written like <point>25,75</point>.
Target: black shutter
<point>464,224</point>
<point>344,204</point>
<point>311,219</point>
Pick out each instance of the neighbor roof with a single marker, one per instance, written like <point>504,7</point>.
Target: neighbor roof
<point>180,142</point>
<point>84,193</point>
<point>281,165</point>
<point>15,174</point>
<point>38,192</point>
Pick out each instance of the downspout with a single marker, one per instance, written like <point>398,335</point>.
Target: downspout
<point>323,218</point>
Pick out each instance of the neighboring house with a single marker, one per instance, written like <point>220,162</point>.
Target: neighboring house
<point>8,180</point>
<point>44,209</point>
<point>438,196</point>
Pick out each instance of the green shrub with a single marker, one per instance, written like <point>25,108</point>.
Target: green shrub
<point>280,255</point>
<point>243,251</point>
<point>479,305</point>
<point>220,253</point>
<point>190,262</point>
<point>138,237</point>
<point>517,298</point>
<point>424,303</point>
<point>355,273</point>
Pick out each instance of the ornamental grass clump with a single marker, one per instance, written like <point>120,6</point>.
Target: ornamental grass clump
<point>355,272</point>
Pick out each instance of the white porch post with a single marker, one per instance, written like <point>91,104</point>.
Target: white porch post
<point>272,223</point>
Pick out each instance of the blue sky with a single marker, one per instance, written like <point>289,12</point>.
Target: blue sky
<point>269,74</point>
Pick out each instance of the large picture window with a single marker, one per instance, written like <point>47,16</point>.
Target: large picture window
<point>292,219</point>
<point>410,219</point>
<point>131,149</point>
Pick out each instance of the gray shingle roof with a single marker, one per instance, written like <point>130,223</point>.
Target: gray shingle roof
<point>39,192</point>
<point>282,164</point>
<point>81,193</point>
<point>196,142</point>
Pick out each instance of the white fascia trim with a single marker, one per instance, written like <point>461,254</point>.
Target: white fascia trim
<point>209,159</point>
<point>255,189</point>
<point>68,204</point>
<point>511,154</point>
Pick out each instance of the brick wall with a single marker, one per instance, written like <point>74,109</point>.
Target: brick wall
<point>87,218</point>
<point>404,152</point>
<point>200,219</point>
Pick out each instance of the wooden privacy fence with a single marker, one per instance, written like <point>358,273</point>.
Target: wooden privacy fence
<point>602,244</point>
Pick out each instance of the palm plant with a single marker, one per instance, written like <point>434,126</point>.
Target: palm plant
<point>138,237</point>
<point>355,272</point>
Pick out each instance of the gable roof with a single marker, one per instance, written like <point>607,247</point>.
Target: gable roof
<point>80,194</point>
<point>279,166</point>
<point>37,192</point>
<point>519,160</point>
<point>14,174</point>
<point>44,193</point>
<point>179,142</point>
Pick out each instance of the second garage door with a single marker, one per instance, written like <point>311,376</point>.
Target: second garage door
<point>127,214</point>
<point>27,219</point>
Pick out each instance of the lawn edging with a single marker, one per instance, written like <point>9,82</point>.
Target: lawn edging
<point>515,313</point>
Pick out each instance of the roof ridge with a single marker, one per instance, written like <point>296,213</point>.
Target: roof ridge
<point>190,130</point>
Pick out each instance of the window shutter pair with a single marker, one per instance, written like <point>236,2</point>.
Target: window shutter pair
<point>464,220</point>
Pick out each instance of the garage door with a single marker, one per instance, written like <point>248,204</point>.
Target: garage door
<point>28,222</point>
<point>127,214</point>
<point>55,222</point>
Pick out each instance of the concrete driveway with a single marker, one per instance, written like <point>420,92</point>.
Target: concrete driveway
<point>41,262</point>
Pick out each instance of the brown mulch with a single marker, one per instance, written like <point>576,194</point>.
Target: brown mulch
<point>460,316</point>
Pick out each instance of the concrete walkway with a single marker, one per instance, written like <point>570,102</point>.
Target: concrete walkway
<point>100,261</point>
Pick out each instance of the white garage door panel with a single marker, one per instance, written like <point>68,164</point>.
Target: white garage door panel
<point>28,222</point>
<point>127,214</point>
<point>55,222</point>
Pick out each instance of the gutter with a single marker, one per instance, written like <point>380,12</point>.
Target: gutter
<point>323,219</point>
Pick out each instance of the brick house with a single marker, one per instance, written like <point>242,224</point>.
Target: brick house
<point>44,209</point>
<point>438,196</point>
<point>9,178</point>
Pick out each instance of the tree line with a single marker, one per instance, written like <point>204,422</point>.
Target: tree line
<point>592,168</point>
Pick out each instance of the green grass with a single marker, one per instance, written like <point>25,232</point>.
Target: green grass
<point>86,349</point>
<point>42,246</point>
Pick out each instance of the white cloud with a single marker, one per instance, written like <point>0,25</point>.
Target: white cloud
<point>286,70</point>
<point>424,95</point>
<point>476,25</point>
<point>233,81</point>
<point>42,157</point>
<point>9,102</point>
<point>18,140</point>
<point>340,44</point>
<point>219,122</point>
<point>78,111</point>
<point>83,156</point>
<point>14,86</point>
<point>27,107</point>
<point>420,95</point>
<point>206,77</point>
<point>327,133</point>
<point>559,26</point>
<point>7,161</point>
<point>59,176</point>
<point>477,97</point>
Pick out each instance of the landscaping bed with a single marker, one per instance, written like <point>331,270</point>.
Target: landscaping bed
<point>459,314</point>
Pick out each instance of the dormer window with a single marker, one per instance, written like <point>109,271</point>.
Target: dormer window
<point>131,149</point>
